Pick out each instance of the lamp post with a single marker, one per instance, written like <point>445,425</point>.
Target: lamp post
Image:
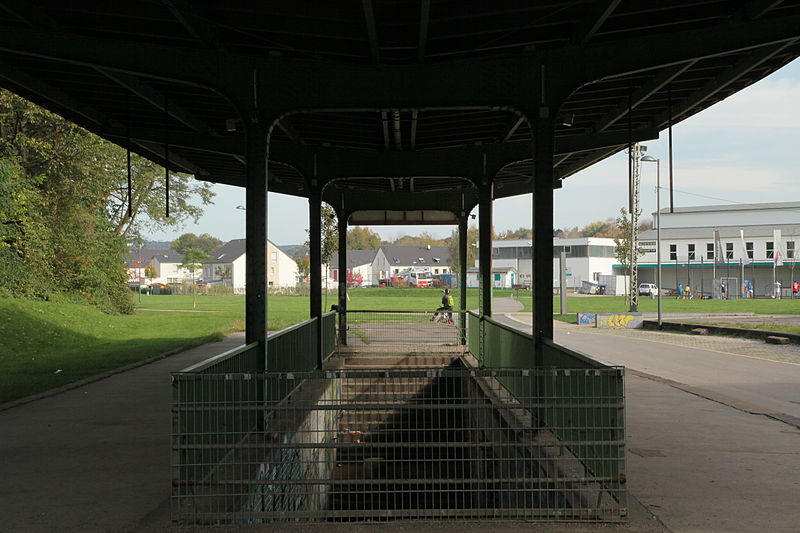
<point>649,158</point>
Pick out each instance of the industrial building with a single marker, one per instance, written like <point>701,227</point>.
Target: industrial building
<point>705,246</point>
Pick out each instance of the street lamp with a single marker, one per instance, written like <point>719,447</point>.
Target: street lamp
<point>650,159</point>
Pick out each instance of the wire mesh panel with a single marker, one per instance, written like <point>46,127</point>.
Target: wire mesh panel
<point>406,331</point>
<point>371,445</point>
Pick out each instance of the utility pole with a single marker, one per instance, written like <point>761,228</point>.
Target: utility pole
<point>635,155</point>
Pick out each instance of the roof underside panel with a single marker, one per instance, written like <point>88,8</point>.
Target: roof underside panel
<point>205,130</point>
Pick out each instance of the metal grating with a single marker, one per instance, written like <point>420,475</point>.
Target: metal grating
<point>406,332</point>
<point>376,445</point>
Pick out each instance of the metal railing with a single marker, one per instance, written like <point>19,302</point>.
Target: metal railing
<point>292,348</point>
<point>500,346</point>
<point>406,332</point>
<point>449,443</point>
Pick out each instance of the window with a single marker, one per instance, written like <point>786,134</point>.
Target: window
<point>595,276</point>
<point>789,249</point>
<point>396,260</point>
<point>710,250</point>
<point>770,250</point>
<point>673,252</point>
<point>748,246</point>
<point>728,250</point>
<point>435,270</point>
<point>691,251</point>
<point>274,256</point>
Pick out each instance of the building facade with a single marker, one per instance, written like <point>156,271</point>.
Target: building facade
<point>359,267</point>
<point>587,258</point>
<point>227,267</point>
<point>707,246</point>
<point>391,260</point>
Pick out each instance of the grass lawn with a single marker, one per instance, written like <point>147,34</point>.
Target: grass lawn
<point>46,344</point>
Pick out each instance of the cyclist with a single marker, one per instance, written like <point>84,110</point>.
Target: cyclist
<point>447,305</point>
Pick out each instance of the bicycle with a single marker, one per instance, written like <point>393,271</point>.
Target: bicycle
<point>441,316</point>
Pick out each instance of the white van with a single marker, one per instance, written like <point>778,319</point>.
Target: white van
<point>648,289</point>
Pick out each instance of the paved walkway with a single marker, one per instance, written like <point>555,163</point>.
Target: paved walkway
<point>95,458</point>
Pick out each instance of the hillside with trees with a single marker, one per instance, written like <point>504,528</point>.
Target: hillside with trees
<point>64,217</point>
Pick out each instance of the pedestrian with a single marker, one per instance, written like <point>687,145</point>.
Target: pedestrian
<point>680,291</point>
<point>687,291</point>
<point>722,290</point>
<point>777,290</point>
<point>750,291</point>
<point>795,289</point>
<point>744,289</point>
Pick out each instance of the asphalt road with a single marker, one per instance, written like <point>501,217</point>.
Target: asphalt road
<point>749,383</point>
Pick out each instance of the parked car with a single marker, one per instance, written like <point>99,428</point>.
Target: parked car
<point>648,289</point>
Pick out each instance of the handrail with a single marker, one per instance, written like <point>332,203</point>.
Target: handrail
<point>578,355</point>
<point>397,311</point>
<point>202,365</point>
<point>507,327</point>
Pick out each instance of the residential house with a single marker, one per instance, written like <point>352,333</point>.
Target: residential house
<point>227,266</point>
<point>359,263</point>
<point>390,260</point>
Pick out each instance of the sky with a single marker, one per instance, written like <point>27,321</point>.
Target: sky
<point>741,150</point>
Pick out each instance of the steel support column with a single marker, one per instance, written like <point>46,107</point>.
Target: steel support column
<point>543,154</point>
<point>315,264</point>
<point>256,242</point>
<point>485,246</point>
<point>462,273</point>
<point>341,218</point>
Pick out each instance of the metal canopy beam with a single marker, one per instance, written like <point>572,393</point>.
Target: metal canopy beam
<point>595,20</point>
<point>197,28</point>
<point>743,66</point>
<point>342,162</point>
<point>507,81</point>
<point>661,79</point>
<point>159,101</point>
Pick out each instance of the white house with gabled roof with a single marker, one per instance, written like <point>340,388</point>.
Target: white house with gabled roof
<point>227,266</point>
<point>391,260</point>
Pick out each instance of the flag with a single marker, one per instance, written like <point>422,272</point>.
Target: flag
<point>776,242</point>
<point>745,257</point>
<point>718,252</point>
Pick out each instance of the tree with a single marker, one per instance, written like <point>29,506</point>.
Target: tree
<point>303,267</point>
<point>150,271</point>
<point>452,247</point>
<point>519,233</point>
<point>424,239</point>
<point>354,280</point>
<point>64,215</point>
<point>360,238</point>
<point>623,242</point>
<point>330,237</point>
<point>204,242</point>
<point>223,272</point>
<point>594,229</point>
<point>193,261</point>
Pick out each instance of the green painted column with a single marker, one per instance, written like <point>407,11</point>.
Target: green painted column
<point>485,258</point>
<point>462,274</point>
<point>315,264</point>
<point>341,219</point>
<point>256,242</point>
<point>544,131</point>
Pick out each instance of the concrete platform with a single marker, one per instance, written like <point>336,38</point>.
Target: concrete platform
<point>97,459</point>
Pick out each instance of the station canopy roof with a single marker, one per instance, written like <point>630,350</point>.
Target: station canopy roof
<point>128,71</point>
